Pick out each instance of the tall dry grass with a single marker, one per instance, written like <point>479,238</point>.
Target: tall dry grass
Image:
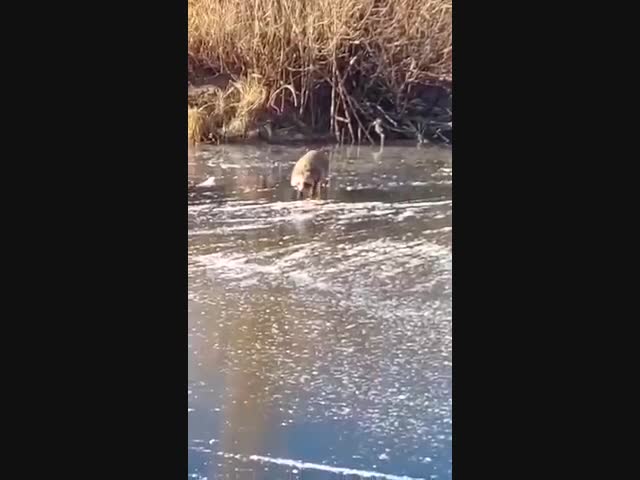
<point>319,55</point>
<point>227,113</point>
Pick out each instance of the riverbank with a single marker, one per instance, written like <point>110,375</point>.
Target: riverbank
<point>333,70</point>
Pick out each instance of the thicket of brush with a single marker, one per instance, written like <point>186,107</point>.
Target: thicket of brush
<point>337,64</point>
<point>227,112</point>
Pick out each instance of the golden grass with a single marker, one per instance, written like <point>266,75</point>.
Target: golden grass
<point>195,125</point>
<point>230,113</point>
<point>289,47</point>
<point>248,98</point>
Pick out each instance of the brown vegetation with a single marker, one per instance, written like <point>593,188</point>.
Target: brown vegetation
<point>337,64</point>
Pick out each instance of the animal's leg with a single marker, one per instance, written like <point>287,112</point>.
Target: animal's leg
<point>314,190</point>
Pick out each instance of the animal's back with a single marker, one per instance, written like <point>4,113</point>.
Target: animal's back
<point>314,163</point>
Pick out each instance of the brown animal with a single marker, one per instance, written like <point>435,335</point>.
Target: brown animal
<point>310,172</point>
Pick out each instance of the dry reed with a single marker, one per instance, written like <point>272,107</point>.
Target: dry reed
<point>323,59</point>
<point>226,114</point>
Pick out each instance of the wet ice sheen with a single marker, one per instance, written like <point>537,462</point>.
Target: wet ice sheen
<point>320,331</point>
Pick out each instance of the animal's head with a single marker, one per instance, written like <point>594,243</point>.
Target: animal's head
<point>304,184</point>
